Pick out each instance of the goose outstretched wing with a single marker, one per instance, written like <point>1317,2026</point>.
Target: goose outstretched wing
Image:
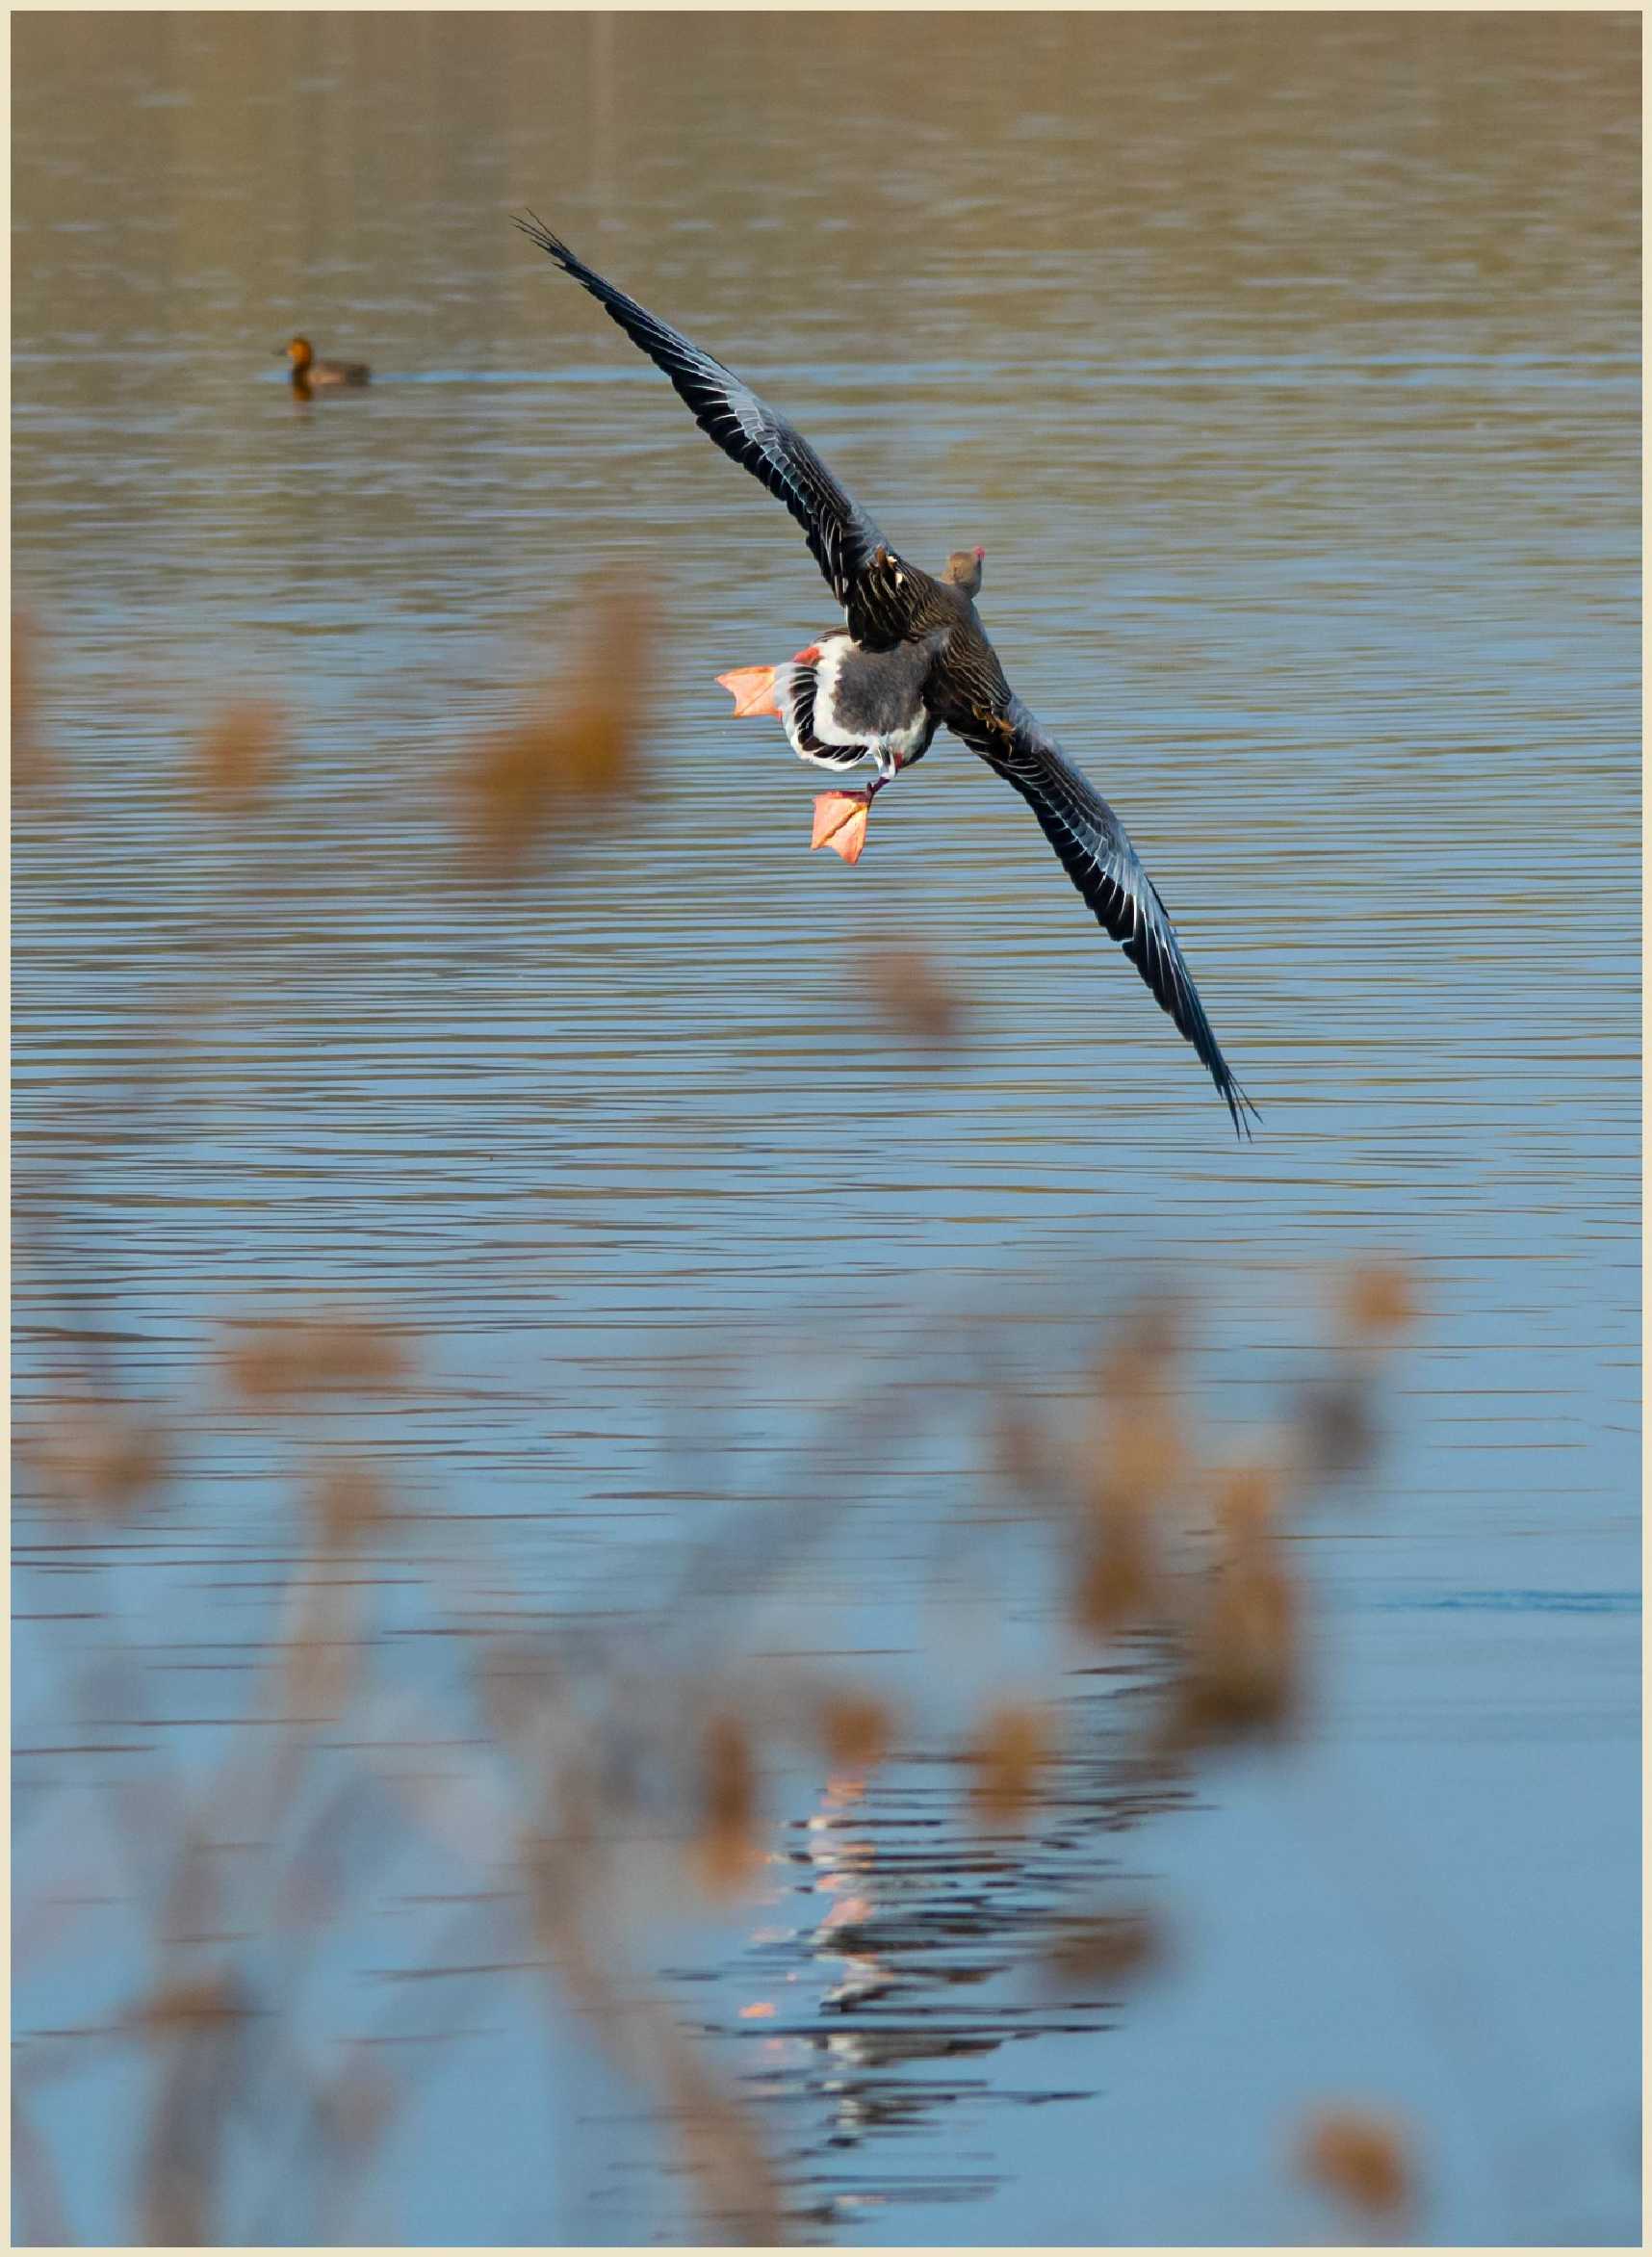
<point>842,540</point>
<point>1096,854</point>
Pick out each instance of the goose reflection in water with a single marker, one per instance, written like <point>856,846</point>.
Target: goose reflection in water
<point>909,1905</point>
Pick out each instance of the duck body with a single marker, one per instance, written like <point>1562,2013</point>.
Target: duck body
<point>310,374</point>
<point>338,372</point>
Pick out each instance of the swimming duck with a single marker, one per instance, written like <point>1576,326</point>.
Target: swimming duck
<point>308,371</point>
<point>915,656</point>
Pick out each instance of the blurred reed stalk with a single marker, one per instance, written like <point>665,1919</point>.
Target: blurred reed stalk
<point>239,1873</point>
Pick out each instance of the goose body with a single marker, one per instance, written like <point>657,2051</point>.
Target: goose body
<point>841,705</point>
<point>913,657</point>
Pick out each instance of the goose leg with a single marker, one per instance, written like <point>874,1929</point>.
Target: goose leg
<point>754,689</point>
<point>841,817</point>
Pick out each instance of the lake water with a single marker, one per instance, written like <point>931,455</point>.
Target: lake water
<point>1288,371</point>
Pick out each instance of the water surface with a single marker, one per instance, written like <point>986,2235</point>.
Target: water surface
<point>1288,371</point>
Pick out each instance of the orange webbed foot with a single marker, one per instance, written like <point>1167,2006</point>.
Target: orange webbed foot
<point>752,688</point>
<point>840,823</point>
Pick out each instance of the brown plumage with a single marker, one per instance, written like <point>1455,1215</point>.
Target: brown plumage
<point>889,604</point>
<point>309,373</point>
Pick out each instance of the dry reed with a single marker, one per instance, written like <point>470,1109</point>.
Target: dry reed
<point>544,1809</point>
<point>1364,2160</point>
<point>572,760</point>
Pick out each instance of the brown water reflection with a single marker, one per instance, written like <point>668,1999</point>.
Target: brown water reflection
<point>1288,371</point>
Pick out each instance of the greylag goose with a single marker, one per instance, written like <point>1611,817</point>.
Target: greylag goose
<point>914,658</point>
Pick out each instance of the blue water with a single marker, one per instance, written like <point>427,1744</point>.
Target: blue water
<point>1288,375</point>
